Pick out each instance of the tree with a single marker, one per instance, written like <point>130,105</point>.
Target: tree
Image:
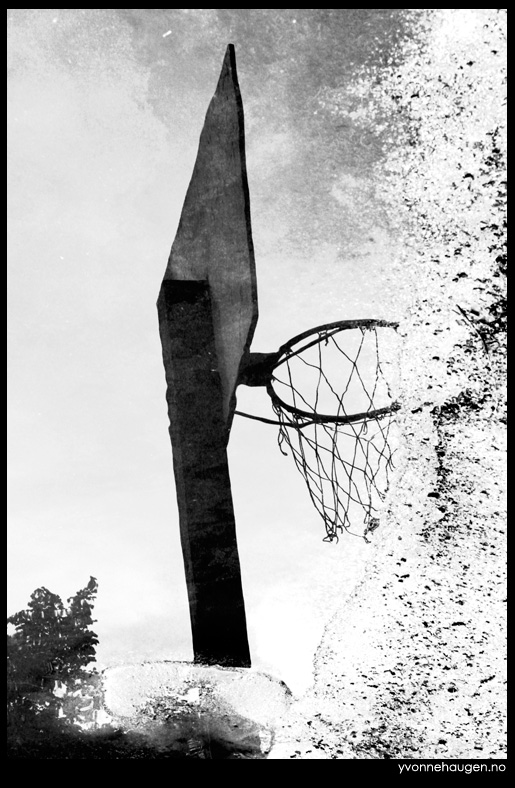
<point>47,661</point>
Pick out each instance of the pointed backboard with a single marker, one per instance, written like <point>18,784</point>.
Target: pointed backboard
<point>214,241</point>
<point>207,310</point>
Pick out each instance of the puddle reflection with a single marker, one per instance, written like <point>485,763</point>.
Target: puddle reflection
<point>55,694</point>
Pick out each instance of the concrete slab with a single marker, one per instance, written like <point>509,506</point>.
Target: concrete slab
<point>203,708</point>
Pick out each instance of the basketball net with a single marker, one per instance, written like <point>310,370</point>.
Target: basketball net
<point>336,415</point>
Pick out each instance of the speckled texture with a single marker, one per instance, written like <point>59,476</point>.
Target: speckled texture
<point>413,664</point>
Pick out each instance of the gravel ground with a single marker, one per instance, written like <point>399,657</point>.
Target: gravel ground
<point>413,664</point>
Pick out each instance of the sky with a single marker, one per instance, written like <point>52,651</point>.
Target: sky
<point>105,108</point>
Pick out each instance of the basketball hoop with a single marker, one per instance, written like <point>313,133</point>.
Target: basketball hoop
<point>335,412</point>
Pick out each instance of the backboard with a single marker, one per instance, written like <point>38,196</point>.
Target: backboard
<point>207,309</point>
<point>214,241</point>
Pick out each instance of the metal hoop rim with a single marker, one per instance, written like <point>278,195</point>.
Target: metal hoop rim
<point>333,328</point>
<point>339,325</point>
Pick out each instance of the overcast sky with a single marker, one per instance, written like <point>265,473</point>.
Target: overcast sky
<point>105,110</point>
